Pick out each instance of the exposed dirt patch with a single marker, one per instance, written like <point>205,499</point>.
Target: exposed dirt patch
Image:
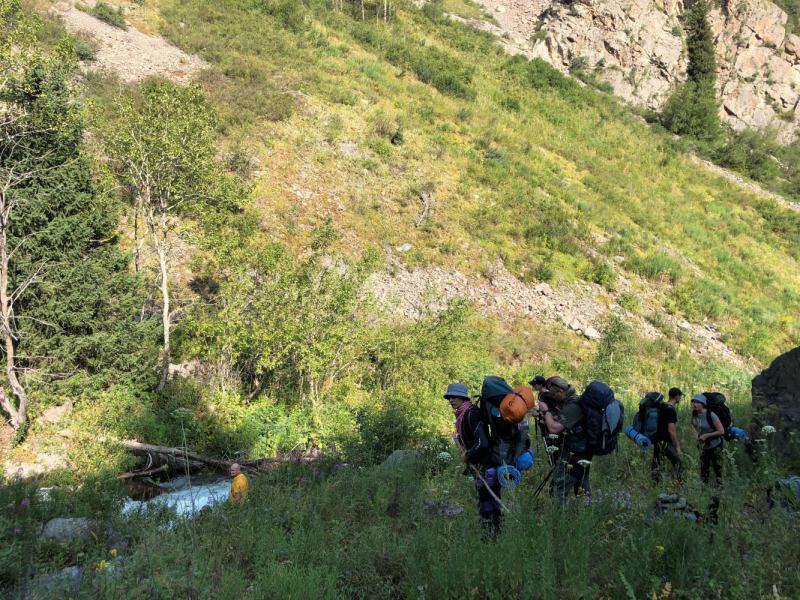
<point>132,54</point>
<point>577,307</point>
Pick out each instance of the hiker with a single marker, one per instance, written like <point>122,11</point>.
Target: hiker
<point>571,468</point>
<point>665,441</point>
<point>539,385</point>
<point>562,393</point>
<point>707,430</point>
<point>239,485</point>
<point>473,438</point>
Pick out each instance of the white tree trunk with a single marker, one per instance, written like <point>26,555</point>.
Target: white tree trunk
<point>18,415</point>
<point>162,263</point>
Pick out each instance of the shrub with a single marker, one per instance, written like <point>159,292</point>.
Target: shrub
<point>84,51</point>
<point>108,15</point>
<point>379,146</point>
<point>511,104</point>
<point>654,266</point>
<point>600,273</point>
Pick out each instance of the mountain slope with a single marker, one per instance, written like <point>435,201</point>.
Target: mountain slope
<point>516,162</point>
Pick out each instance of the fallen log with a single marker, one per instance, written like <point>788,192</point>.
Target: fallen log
<point>141,448</point>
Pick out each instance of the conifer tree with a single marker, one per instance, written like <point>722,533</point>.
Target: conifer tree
<point>693,108</point>
<point>67,297</point>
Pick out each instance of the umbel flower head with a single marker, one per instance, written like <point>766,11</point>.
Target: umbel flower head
<point>767,429</point>
<point>444,457</point>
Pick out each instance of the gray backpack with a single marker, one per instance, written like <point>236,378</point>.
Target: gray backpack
<point>786,495</point>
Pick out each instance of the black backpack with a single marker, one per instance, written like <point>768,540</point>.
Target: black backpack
<point>715,402</point>
<point>604,416</point>
<point>508,441</point>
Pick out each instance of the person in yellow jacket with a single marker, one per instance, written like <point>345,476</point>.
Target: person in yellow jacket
<point>238,485</point>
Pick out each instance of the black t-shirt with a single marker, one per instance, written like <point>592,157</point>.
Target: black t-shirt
<point>666,415</point>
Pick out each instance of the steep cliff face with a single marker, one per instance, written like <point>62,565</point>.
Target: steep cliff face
<point>638,47</point>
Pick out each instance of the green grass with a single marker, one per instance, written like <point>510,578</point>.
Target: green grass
<point>550,161</point>
<point>320,530</point>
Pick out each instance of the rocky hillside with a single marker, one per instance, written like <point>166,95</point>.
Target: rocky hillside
<point>638,47</point>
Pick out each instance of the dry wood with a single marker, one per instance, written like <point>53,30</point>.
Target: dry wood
<point>427,200</point>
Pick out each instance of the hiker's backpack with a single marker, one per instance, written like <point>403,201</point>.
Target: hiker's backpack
<point>603,420</point>
<point>508,441</point>
<point>645,421</point>
<point>786,495</point>
<point>715,402</point>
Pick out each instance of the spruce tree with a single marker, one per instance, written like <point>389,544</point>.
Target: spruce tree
<point>68,299</point>
<point>693,109</point>
<point>702,68</point>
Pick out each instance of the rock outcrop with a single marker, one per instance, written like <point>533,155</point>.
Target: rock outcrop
<point>776,402</point>
<point>637,46</point>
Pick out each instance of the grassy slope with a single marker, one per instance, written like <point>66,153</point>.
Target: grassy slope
<point>522,184</point>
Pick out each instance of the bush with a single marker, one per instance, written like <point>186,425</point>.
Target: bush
<point>654,266</point>
<point>84,51</point>
<point>600,273</point>
<point>105,13</point>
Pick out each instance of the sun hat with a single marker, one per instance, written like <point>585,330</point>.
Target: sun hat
<point>456,390</point>
<point>699,398</point>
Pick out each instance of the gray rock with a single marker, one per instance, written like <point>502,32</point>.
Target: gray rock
<point>592,333</point>
<point>66,580</point>
<point>448,509</point>
<point>400,456</point>
<point>82,529</point>
<point>776,402</point>
<point>404,248</point>
<point>69,530</point>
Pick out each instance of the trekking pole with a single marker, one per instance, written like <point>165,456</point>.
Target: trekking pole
<point>541,485</point>
<point>483,481</point>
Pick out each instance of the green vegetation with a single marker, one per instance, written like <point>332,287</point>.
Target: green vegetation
<point>300,156</point>
<point>692,109</point>
<point>107,14</point>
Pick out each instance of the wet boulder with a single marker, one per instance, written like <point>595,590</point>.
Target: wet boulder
<point>776,403</point>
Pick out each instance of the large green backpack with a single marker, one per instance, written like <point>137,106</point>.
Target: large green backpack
<point>645,421</point>
<point>508,441</point>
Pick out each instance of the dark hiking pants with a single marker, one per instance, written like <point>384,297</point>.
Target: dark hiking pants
<point>569,476</point>
<point>708,459</point>
<point>662,450</point>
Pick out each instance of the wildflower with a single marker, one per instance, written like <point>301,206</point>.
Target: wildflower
<point>102,564</point>
<point>660,548</point>
<point>304,460</point>
<point>552,449</point>
<point>113,552</point>
<point>303,480</point>
<point>444,457</point>
<point>25,502</point>
<point>315,472</point>
<point>584,463</point>
<point>707,573</point>
<point>17,530</point>
<point>293,458</point>
<point>338,467</point>
<point>767,429</point>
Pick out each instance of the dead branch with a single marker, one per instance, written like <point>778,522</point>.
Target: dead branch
<point>427,200</point>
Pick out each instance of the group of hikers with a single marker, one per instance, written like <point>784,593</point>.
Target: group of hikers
<point>493,434</point>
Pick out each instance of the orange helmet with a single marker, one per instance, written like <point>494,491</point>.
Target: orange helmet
<point>514,406</point>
